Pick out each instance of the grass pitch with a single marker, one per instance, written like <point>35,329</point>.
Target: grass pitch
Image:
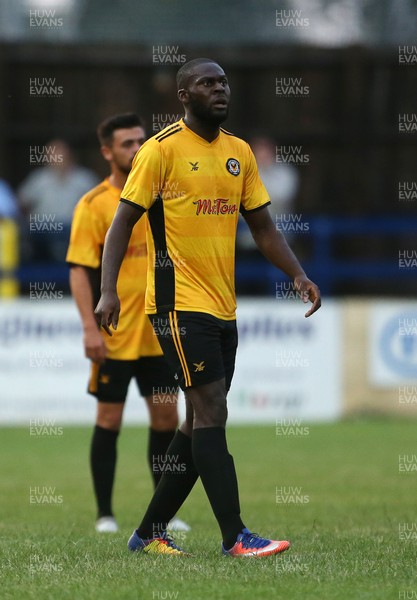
<point>336,491</point>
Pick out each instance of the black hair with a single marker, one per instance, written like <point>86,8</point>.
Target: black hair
<point>185,72</point>
<point>108,126</point>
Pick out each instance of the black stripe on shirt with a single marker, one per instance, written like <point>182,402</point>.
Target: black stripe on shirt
<point>168,133</point>
<point>164,273</point>
<point>244,212</point>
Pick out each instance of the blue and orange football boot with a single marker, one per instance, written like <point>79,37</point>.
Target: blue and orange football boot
<point>253,546</point>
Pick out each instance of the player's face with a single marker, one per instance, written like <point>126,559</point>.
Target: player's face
<point>208,94</point>
<point>126,142</point>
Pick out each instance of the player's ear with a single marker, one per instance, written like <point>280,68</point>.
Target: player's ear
<point>182,95</point>
<point>106,153</point>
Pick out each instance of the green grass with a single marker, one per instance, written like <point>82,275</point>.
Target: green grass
<point>345,534</point>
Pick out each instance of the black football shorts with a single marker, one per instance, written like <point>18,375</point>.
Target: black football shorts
<point>198,347</point>
<point>110,380</point>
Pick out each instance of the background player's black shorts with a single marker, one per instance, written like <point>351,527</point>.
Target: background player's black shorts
<point>198,347</point>
<point>109,381</point>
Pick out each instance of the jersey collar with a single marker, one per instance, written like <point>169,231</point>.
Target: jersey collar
<point>198,138</point>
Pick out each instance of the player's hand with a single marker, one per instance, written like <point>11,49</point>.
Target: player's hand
<point>107,311</point>
<point>308,291</point>
<point>94,346</point>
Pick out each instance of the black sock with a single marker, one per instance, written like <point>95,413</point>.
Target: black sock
<point>178,478</point>
<point>103,456</point>
<point>217,471</point>
<point>158,442</point>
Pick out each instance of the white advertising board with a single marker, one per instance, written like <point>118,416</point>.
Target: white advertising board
<point>43,371</point>
<point>393,344</point>
<point>287,367</point>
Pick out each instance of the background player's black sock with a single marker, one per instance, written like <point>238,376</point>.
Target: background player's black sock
<point>103,456</point>
<point>158,442</point>
<point>217,471</point>
<point>176,483</point>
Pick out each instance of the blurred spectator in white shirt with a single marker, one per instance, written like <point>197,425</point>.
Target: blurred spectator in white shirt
<point>56,187</point>
<point>49,195</point>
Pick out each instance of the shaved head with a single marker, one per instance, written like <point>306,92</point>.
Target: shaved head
<point>189,69</point>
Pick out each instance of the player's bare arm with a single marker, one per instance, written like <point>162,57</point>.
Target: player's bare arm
<point>115,246</point>
<point>274,247</point>
<point>94,346</point>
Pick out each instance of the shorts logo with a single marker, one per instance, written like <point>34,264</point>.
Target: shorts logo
<point>199,366</point>
<point>233,166</point>
<point>104,379</point>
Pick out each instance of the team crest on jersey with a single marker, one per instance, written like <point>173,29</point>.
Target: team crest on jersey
<point>233,166</point>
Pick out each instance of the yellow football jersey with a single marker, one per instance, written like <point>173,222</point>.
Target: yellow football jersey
<point>92,218</point>
<point>193,191</point>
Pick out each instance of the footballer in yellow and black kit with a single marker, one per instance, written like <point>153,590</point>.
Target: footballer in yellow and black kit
<point>133,350</point>
<point>193,191</point>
